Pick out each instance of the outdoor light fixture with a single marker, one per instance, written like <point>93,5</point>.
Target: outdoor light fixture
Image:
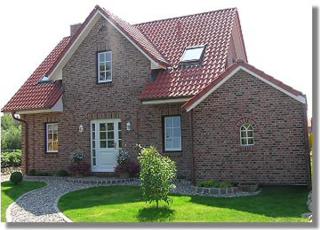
<point>80,128</point>
<point>129,126</point>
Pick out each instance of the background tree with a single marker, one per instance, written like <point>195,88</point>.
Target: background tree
<point>10,133</point>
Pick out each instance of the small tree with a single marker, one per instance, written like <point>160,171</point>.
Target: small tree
<point>156,174</point>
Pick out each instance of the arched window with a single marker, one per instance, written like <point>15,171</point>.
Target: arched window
<point>246,135</point>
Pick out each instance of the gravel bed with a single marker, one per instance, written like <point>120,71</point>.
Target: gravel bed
<point>40,205</point>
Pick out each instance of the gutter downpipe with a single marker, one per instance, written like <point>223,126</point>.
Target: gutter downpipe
<point>193,160</point>
<point>26,138</point>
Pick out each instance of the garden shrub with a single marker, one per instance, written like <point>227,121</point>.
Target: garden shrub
<point>78,165</point>
<point>16,177</point>
<point>62,173</point>
<point>225,184</point>
<point>156,174</point>
<point>11,159</point>
<point>126,166</point>
<point>209,184</point>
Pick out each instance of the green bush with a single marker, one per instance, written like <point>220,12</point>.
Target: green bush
<point>16,177</point>
<point>10,133</point>
<point>225,184</point>
<point>209,184</point>
<point>62,173</point>
<point>156,174</point>
<point>11,159</point>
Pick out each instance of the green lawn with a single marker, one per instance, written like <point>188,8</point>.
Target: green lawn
<point>10,192</point>
<point>125,204</point>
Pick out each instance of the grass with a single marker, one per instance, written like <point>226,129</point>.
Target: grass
<point>11,192</point>
<point>125,204</point>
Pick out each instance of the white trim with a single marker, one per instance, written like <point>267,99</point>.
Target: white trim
<point>165,134</point>
<point>47,143</point>
<point>154,65</point>
<point>56,74</point>
<point>298,98</point>
<point>96,122</point>
<point>34,111</point>
<point>105,62</point>
<point>165,101</point>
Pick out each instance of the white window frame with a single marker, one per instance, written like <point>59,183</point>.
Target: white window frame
<point>105,62</point>
<point>246,126</point>
<point>165,135</point>
<point>190,48</point>
<point>47,137</point>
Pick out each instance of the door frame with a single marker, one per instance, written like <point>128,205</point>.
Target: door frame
<point>95,168</point>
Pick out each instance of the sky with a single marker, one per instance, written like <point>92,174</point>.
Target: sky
<point>277,33</point>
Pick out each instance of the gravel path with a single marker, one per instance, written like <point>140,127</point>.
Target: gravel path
<point>40,205</point>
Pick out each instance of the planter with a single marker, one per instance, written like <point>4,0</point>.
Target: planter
<point>248,187</point>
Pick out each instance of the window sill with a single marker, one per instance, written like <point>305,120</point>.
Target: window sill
<point>51,153</point>
<point>109,83</point>
<point>172,153</point>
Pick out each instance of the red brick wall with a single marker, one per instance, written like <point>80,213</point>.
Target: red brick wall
<point>85,100</point>
<point>279,155</point>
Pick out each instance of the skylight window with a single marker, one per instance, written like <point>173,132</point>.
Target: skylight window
<point>192,54</point>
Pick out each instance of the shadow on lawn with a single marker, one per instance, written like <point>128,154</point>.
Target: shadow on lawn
<point>151,214</point>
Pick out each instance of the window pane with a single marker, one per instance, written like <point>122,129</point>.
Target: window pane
<point>176,122</point>
<point>94,161</point>
<point>108,56</point>
<point>243,142</point>
<point>110,126</point>
<point>102,67</point>
<point>93,127</point>
<point>94,153</point>
<point>102,57</point>
<point>93,144</point>
<point>110,144</point>
<point>102,127</point>
<point>176,132</point>
<point>55,146</point>
<point>243,133</point>
<point>50,145</point>
<point>168,122</point>
<point>108,66</point>
<point>176,144</point>
<point>93,135</point>
<point>250,133</point>
<point>103,144</point>
<point>103,135</point>
<point>119,126</point>
<point>110,135</point>
<point>250,141</point>
<point>102,76</point>
<point>120,143</point>
<point>108,76</point>
<point>192,54</point>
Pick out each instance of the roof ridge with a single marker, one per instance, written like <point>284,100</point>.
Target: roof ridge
<point>184,16</point>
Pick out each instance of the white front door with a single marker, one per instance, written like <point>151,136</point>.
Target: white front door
<point>105,144</point>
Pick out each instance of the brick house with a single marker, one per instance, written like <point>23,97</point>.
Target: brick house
<point>181,84</point>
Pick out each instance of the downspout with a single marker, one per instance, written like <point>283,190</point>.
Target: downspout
<point>193,161</point>
<point>26,139</point>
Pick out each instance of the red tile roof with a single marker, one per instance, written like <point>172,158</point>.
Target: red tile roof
<point>172,36</point>
<point>190,103</point>
<point>164,41</point>
<point>135,34</point>
<point>34,95</point>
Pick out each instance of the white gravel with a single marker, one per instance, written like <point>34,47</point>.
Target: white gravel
<point>40,205</point>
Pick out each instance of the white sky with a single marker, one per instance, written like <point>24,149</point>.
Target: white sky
<point>277,33</point>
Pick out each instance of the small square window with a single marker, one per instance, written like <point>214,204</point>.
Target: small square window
<point>192,54</point>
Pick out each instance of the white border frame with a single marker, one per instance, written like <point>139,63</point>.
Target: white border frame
<point>47,124</point>
<point>98,66</point>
